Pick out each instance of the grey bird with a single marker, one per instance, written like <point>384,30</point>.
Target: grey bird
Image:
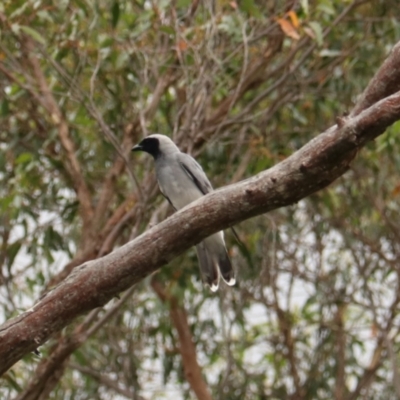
<point>182,181</point>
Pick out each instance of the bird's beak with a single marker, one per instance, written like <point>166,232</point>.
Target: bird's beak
<point>138,147</point>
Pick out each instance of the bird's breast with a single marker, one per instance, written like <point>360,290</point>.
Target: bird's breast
<point>176,185</point>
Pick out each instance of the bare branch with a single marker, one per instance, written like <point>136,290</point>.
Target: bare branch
<point>104,380</point>
<point>376,359</point>
<point>186,345</point>
<point>340,386</point>
<point>51,369</point>
<point>73,167</point>
<point>395,367</point>
<point>385,82</point>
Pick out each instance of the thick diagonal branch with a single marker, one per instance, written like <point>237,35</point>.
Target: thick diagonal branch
<point>93,284</point>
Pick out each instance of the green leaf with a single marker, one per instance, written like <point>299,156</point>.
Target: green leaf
<point>168,30</point>
<point>305,6</point>
<point>24,158</point>
<point>10,378</point>
<point>12,252</point>
<point>61,53</point>
<point>4,108</point>
<point>115,13</point>
<point>183,3</point>
<point>33,34</point>
<point>317,29</point>
<point>330,53</point>
<point>20,10</point>
<point>250,7</point>
<point>326,7</point>
<point>82,6</point>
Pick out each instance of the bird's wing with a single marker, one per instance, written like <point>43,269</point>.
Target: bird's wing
<point>195,172</point>
<point>168,199</point>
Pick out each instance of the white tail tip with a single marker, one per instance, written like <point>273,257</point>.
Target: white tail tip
<point>214,287</point>
<point>231,282</point>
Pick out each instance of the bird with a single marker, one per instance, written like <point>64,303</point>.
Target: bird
<point>182,180</point>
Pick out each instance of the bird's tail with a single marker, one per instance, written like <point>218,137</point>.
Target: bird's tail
<point>214,261</point>
<point>226,269</point>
